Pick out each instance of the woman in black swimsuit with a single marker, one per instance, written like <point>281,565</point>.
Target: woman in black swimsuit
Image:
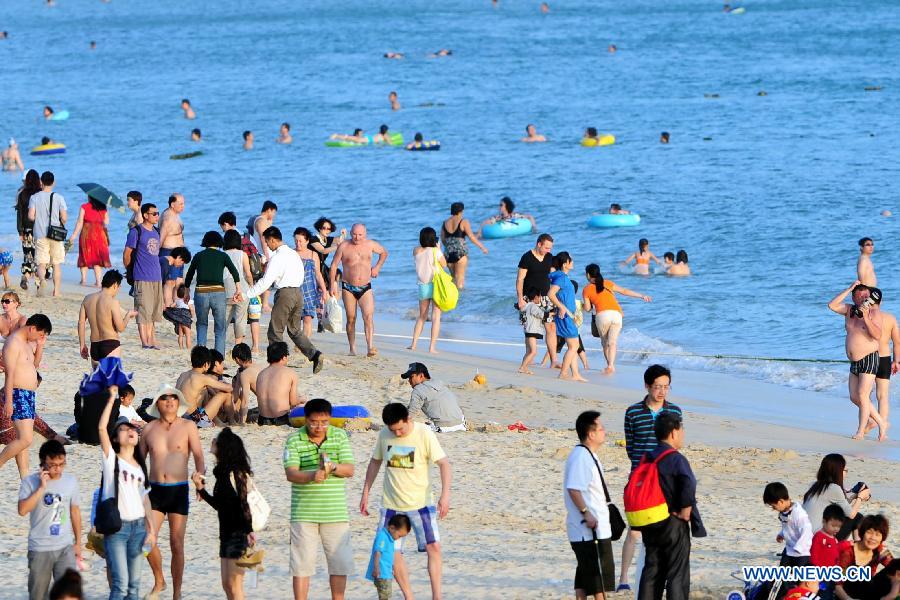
<point>454,232</point>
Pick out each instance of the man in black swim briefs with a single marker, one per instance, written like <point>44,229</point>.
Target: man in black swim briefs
<point>102,311</point>
<point>888,358</point>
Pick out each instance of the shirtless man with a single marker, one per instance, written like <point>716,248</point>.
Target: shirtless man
<point>171,236</point>
<point>263,221</point>
<point>888,362</point>
<point>395,102</point>
<point>188,110</point>
<point>244,382</point>
<point>21,384</point>
<point>355,258</point>
<point>862,321</point>
<point>284,134</point>
<point>865,270</point>
<point>196,382</point>
<point>532,136</point>
<point>276,387</point>
<point>104,313</point>
<point>10,157</point>
<point>166,443</point>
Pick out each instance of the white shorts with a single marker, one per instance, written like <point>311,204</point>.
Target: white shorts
<point>609,324</point>
<point>47,251</point>
<point>335,539</point>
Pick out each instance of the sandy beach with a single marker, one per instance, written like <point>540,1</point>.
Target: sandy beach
<point>505,535</point>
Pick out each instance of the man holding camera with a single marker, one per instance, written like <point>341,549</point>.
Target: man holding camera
<point>862,320</point>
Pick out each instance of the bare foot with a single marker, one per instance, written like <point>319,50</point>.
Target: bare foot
<point>882,433</point>
<point>413,347</point>
<point>609,370</point>
<point>870,425</point>
<point>372,353</point>
<point>526,372</point>
<point>556,366</point>
<point>580,378</point>
<point>860,435</point>
<point>351,353</point>
<point>561,376</point>
<point>433,351</point>
<point>83,283</point>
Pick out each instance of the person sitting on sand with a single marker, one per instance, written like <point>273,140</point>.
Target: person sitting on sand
<point>869,551</point>
<point>358,136</point>
<point>394,55</point>
<point>681,267</point>
<point>616,209</point>
<point>284,134</point>
<point>10,157</point>
<point>664,137</point>
<point>532,136</point>
<point>862,321</point>
<point>244,383</point>
<point>828,489</point>
<point>441,53</point>
<point>248,140</point>
<point>194,384</point>
<point>433,400</point>
<point>395,102</point>
<point>642,258</point>
<point>507,213</point>
<point>188,109</point>
<point>276,387</point>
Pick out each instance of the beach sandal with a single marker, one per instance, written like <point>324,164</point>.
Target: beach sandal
<point>518,426</point>
<point>252,558</point>
<point>623,587</point>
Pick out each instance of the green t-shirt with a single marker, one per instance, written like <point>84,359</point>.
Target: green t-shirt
<point>324,502</point>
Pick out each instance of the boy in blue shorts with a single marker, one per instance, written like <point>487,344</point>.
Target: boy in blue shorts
<point>381,564</point>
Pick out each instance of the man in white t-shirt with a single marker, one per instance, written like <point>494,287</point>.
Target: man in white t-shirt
<point>587,516</point>
<point>409,449</point>
<point>50,497</point>
<point>47,251</point>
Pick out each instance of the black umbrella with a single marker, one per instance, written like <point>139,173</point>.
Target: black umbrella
<point>101,194</point>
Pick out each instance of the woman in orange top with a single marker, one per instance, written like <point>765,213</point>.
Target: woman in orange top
<point>600,298</point>
<point>642,258</point>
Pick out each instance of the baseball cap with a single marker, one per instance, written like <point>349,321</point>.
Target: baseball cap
<point>125,421</point>
<point>416,368</point>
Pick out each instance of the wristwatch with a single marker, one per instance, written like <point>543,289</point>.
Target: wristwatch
<point>585,509</point>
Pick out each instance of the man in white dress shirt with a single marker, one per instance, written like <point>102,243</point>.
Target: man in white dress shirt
<point>284,270</point>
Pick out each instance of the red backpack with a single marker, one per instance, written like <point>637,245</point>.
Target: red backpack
<point>645,503</point>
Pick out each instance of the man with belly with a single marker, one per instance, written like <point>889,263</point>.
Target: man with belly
<point>104,313</point>
<point>166,443</point>
<point>355,259</point>
<point>171,236</point>
<point>862,321</point>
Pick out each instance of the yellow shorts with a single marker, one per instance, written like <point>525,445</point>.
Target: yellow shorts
<point>47,251</point>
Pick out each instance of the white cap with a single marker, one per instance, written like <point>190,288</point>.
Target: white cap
<point>12,141</point>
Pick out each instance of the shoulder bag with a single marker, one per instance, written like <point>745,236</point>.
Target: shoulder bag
<point>108,520</point>
<point>446,294</point>
<point>57,233</point>
<point>259,507</point>
<point>616,522</point>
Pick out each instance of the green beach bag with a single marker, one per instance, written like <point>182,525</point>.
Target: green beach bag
<point>446,295</point>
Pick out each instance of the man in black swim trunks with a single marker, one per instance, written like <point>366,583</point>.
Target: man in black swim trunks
<point>166,442</point>
<point>863,322</point>
<point>888,359</point>
<point>105,316</point>
<point>276,387</point>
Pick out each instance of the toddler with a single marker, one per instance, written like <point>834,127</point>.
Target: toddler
<point>381,564</point>
<point>6,261</point>
<point>533,316</point>
<point>126,399</point>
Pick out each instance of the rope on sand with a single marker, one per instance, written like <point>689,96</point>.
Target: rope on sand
<point>641,353</point>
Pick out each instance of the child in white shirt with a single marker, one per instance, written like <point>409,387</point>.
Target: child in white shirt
<point>534,317</point>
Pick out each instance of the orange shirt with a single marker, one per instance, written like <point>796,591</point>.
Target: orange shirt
<point>603,300</point>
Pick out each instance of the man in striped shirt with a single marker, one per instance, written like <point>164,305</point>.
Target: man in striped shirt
<point>317,460</point>
<point>640,438</point>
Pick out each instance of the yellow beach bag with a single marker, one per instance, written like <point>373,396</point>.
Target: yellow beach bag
<point>445,295</point>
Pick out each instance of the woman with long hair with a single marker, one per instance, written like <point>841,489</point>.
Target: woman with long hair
<point>454,233</point>
<point>229,498</point>
<point>125,478</point>
<point>428,257</point>
<point>31,185</point>
<point>829,489</point>
<point>313,287</point>
<point>680,268</point>
<point>93,239</point>
<point>562,294</point>
<point>600,298</point>
<point>642,258</point>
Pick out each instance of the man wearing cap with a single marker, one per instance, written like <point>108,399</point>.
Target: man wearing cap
<point>434,400</point>
<point>11,159</point>
<point>166,443</point>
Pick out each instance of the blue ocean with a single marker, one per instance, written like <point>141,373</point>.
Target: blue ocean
<point>779,161</point>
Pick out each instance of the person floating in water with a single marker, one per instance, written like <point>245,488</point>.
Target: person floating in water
<point>358,136</point>
<point>681,267</point>
<point>196,135</point>
<point>395,103</point>
<point>93,45</point>
<point>642,258</point>
<point>616,209</point>
<point>394,55</point>
<point>532,135</point>
<point>188,109</point>
<point>48,113</point>
<point>248,140</point>
<point>45,141</point>
<point>545,8</point>
<point>441,52</point>
<point>590,133</point>
<point>611,49</point>
<point>284,134</point>
<point>507,213</point>
<point>383,136</point>
<point>664,137</point>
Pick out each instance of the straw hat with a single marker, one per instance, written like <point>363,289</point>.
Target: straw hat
<point>166,390</point>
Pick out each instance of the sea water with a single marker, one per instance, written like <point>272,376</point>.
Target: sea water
<point>779,159</point>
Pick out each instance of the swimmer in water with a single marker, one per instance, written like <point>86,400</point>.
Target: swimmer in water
<point>358,136</point>
<point>532,135</point>
<point>668,261</point>
<point>46,141</point>
<point>93,45</point>
<point>196,136</point>
<point>664,137</point>
<point>4,35</point>
<point>284,134</point>
<point>681,267</point>
<point>383,136</point>
<point>507,213</point>
<point>545,8</point>
<point>616,209</point>
<point>395,103</point>
<point>10,157</point>
<point>394,55</point>
<point>591,134</point>
<point>188,110</point>
<point>611,49</point>
<point>642,258</point>
<point>248,140</point>
<point>48,113</point>
<point>441,52</point>
<point>418,139</point>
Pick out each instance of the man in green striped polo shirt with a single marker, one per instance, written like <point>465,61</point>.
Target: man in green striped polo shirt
<point>317,460</point>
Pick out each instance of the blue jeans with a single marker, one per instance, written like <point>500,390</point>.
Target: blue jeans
<point>203,303</point>
<point>123,559</point>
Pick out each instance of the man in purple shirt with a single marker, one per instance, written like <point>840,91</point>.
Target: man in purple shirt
<point>141,258</point>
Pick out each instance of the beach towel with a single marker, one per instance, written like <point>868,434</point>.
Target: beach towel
<point>107,373</point>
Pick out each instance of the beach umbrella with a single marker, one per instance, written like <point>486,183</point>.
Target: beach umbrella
<point>101,194</point>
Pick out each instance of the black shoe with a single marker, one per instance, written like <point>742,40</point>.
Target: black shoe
<point>318,362</point>
<point>321,328</point>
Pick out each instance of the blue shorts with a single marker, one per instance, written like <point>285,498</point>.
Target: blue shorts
<point>424,524</point>
<point>426,291</point>
<point>6,259</point>
<point>23,404</point>
<point>169,272</point>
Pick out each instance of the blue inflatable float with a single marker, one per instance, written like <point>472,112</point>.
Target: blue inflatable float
<point>506,229</point>
<point>339,415</point>
<point>59,116</point>
<point>606,220</point>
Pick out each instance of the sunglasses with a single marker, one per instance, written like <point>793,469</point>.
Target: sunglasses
<point>6,301</point>
<point>153,214</point>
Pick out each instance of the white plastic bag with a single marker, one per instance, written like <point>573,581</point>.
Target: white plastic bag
<point>259,507</point>
<point>334,316</point>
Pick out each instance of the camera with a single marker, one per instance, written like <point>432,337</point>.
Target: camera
<point>874,297</point>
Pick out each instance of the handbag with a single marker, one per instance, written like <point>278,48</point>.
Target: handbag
<point>108,521</point>
<point>57,233</point>
<point>616,522</point>
<point>595,331</point>
<point>259,507</point>
<point>446,294</point>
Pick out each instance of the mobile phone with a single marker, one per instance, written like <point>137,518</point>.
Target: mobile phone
<point>858,487</point>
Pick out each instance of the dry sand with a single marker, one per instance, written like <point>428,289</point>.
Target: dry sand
<point>505,535</point>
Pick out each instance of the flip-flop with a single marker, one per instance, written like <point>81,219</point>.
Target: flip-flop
<point>517,426</point>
